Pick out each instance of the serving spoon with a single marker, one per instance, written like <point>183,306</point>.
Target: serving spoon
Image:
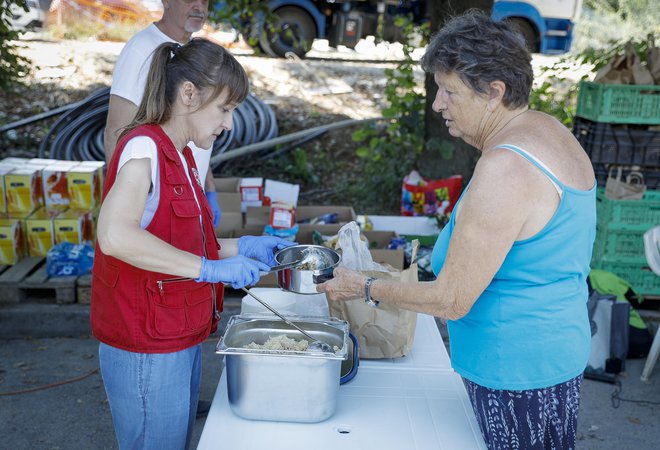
<point>314,344</point>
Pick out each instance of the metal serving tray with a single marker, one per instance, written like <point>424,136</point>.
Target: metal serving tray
<point>282,385</point>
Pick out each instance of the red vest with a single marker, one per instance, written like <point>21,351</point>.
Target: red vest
<point>149,312</point>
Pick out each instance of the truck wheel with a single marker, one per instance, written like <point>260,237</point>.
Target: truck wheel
<point>294,32</point>
<point>528,32</point>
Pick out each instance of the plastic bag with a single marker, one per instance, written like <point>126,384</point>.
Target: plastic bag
<point>67,259</point>
<point>632,188</point>
<point>354,251</point>
<point>420,196</point>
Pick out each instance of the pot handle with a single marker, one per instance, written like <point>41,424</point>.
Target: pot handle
<point>322,278</point>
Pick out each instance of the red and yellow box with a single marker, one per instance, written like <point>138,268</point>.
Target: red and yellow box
<point>40,231</point>
<point>56,189</point>
<point>74,226</point>
<point>4,170</point>
<point>24,190</point>
<point>12,241</point>
<point>84,187</point>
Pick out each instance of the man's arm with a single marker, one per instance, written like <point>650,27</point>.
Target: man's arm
<point>120,113</point>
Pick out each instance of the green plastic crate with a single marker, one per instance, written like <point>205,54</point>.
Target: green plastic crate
<point>619,103</point>
<point>643,212</point>
<point>640,276</point>
<point>626,243</point>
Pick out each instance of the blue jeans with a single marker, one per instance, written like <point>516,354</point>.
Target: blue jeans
<point>152,397</point>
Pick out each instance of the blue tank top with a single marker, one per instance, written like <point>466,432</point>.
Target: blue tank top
<point>530,328</point>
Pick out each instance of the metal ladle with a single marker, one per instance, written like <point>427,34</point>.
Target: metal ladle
<point>314,345</point>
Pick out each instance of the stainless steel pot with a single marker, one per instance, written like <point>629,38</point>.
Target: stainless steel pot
<point>303,281</point>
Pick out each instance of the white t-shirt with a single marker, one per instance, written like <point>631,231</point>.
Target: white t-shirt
<point>130,78</point>
<point>144,147</point>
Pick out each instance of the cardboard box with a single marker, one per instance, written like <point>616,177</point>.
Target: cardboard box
<point>24,190</point>
<point>252,193</point>
<point>74,226</point>
<point>248,230</point>
<point>84,187</point>
<point>228,184</point>
<point>419,225</point>
<point>12,242</point>
<point>15,160</point>
<point>308,214</point>
<point>278,191</point>
<point>40,231</point>
<point>100,168</point>
<point>229,222</point>
<point>41,161</point>
<point>261,216</point>
<point>378,242</point>
<point>229,202</point>
<point>55,186</point>
<point>3,192</point>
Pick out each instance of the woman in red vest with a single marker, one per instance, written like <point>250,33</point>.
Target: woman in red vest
<point>158,268</point>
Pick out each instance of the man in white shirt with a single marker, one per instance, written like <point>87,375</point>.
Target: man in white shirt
<point>180,19</point>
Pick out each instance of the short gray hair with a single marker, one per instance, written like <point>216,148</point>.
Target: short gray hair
<point>480,50</point>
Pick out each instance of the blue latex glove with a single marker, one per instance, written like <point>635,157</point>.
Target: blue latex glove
<point>262,248</point>
<point>237,271</point>
<point>212,198</point>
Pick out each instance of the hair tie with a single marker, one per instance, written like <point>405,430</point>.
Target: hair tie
<point>174,49</point>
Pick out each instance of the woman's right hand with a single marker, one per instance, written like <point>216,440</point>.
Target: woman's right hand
<point>237,271</point>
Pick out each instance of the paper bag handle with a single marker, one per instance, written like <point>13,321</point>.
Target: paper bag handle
<point>635,178</point>
<point>413,254</point>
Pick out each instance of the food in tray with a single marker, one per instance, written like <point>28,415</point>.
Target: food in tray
<point>283,342</point>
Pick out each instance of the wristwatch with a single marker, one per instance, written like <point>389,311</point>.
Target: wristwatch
<point>367,293</point>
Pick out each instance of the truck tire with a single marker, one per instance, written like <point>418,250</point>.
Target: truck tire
<point>528,32</point>
<point>294,32</point>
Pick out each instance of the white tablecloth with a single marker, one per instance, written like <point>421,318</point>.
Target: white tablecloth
<point>414,403</point>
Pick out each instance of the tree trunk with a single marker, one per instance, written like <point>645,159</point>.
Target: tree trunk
<point>445,155</point>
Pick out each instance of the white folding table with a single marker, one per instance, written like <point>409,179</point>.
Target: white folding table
<point>415,403</point>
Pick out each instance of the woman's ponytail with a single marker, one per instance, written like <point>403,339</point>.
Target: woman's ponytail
<point>156,104</point>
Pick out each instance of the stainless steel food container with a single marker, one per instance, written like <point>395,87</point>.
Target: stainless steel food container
<point>285,386</point>
<point>303,281</point>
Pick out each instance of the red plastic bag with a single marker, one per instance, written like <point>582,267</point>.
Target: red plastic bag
<point>424,197</point>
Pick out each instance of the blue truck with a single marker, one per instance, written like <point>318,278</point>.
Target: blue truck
<point>546,25</point>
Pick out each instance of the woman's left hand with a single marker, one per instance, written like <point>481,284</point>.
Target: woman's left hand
<point>345,285</point>
<point>262,248</point>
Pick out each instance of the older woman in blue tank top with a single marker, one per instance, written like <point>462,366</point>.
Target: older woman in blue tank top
<point>512,262</point>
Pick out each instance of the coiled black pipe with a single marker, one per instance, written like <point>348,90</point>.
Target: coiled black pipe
<point>78,133</point>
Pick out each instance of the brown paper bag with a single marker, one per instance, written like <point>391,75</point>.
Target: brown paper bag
<point>632,188</point>
<point>653,63</point>
<point>385,331</point>
<point>624,69</point>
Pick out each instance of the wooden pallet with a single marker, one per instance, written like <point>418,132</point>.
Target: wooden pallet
<point>28,276</point>
<point>84,289</point>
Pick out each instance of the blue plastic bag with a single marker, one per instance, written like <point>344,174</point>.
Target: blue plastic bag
<point>67,259</point>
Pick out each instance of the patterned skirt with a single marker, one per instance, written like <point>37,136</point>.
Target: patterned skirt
<point>527,420</point>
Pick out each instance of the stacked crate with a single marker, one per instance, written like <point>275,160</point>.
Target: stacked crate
<point>619,127</point>
<point>619,246</point>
